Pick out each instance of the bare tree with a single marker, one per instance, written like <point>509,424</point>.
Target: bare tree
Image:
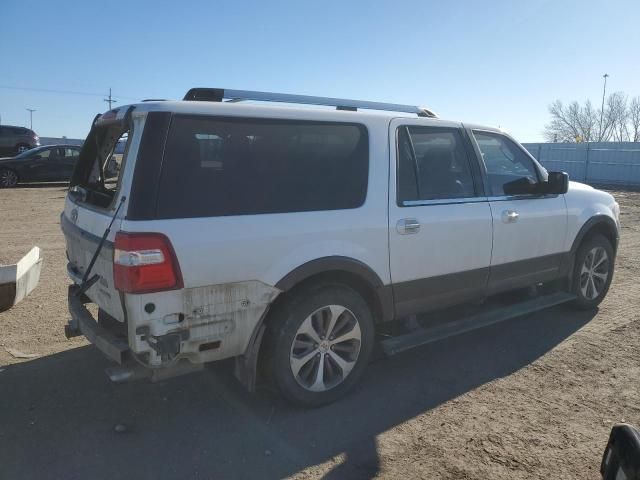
<point>634,119</point>
<point>582,123</point>
<point>614,127</point>
<point>573,123</point>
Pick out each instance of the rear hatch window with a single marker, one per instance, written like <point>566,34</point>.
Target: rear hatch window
<point>96,177</point>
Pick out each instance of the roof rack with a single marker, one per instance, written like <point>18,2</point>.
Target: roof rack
<point>219,94</point>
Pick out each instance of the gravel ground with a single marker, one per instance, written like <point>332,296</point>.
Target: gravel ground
<point>531,398</point>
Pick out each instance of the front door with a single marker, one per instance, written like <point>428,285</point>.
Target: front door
<point>528,230</point>
<point>440,230</point>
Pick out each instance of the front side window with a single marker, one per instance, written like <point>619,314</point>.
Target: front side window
<point>44,154</point>
<point>432,165</point>
<point>222,166</point>
<point>505,162</point>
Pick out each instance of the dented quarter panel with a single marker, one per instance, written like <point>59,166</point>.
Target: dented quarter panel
<point>227,313</point>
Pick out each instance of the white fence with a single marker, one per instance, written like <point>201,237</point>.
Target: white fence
<point>595,162</point>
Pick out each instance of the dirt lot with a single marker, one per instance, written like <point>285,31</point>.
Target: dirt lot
<point>530,398</point>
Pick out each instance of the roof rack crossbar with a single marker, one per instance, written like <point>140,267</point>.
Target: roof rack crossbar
<point>219,94</point>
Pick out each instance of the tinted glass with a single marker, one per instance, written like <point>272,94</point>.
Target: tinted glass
<point>44,154</point>
<point>219,166</point>
<point>71,152</point>
<point>432,164</point>
<point>504,160</point>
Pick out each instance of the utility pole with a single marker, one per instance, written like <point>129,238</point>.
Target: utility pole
<point>110,100</point>
<point>604,89</point>
<point>31,110</point>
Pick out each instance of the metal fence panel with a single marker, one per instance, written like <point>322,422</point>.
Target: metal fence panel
<point>595,162</point>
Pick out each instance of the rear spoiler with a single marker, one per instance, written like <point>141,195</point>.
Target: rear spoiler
<point>113,117</point>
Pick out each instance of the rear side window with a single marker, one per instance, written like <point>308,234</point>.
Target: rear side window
<point>432,165</point>
<point>217,166</point>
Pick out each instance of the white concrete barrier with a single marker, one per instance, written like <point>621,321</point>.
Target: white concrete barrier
<point>18,280</point>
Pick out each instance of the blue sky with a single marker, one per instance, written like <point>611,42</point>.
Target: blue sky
<point>497,63</point>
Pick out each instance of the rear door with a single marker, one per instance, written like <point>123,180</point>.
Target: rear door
<point>528,230</point>
<point>67,162</point>
<point>440,230</point>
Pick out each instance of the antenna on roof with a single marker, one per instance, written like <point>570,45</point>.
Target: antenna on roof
<point>219,94</point>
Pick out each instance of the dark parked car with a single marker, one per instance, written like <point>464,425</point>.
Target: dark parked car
<point>43,164</point>
<point>14,140</point>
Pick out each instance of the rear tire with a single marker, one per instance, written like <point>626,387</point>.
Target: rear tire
<point>319,343</point>
<point>22,147</point>
<point>592,272</point>
<point>8,178</point>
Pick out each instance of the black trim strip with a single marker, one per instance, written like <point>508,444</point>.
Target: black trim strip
<point>523,273</point>
<point>146,176</point>
<point>441,291</point>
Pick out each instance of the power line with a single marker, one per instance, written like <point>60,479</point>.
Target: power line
<point>61,92</point>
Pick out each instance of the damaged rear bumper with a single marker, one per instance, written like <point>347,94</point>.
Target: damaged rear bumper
<point>83,323</point>
<point>114,347</point>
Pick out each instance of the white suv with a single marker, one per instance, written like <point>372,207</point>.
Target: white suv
<point>286,237</point>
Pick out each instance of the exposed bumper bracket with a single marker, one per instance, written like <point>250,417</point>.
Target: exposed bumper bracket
<point>82,323</point>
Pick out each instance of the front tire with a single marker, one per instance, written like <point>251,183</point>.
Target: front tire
<point>8,178</point>
<point>593,272</point>
<point>320,342</point>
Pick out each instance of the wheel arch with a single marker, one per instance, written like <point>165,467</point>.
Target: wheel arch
<point>345,270</point>
<point>598,224</point>
<point>602,224</point>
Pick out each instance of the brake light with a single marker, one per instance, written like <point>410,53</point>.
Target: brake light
<point>145,263</point>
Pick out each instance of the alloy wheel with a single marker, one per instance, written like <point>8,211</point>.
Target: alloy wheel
<point>594,273</point>
<point>8,178</point>
<point>325,348</point>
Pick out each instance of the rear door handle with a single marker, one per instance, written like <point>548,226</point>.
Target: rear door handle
<point>510,216</point>
<point>407,225</point>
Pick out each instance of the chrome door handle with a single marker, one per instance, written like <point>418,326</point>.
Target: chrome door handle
<point>510,216</point>
<point>408,225</point>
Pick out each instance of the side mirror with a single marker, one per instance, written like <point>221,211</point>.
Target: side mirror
<point>557,183</point>
<point>37,157</point>
<point>521,186</point>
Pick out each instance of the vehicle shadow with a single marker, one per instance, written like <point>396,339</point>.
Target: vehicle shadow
<point>57,414</point>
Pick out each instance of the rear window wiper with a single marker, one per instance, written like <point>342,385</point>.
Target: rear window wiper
<point>87,282</point>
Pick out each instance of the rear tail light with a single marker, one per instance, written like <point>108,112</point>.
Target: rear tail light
<point>145,263</point>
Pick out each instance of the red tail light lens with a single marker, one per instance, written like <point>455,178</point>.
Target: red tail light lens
<point>145,263</point>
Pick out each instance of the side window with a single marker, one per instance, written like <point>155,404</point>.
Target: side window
<point>432,165</point>
<point>44,154</point>
<point>504,161</point>
<point>216,166</point>
<point>71,153</point>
